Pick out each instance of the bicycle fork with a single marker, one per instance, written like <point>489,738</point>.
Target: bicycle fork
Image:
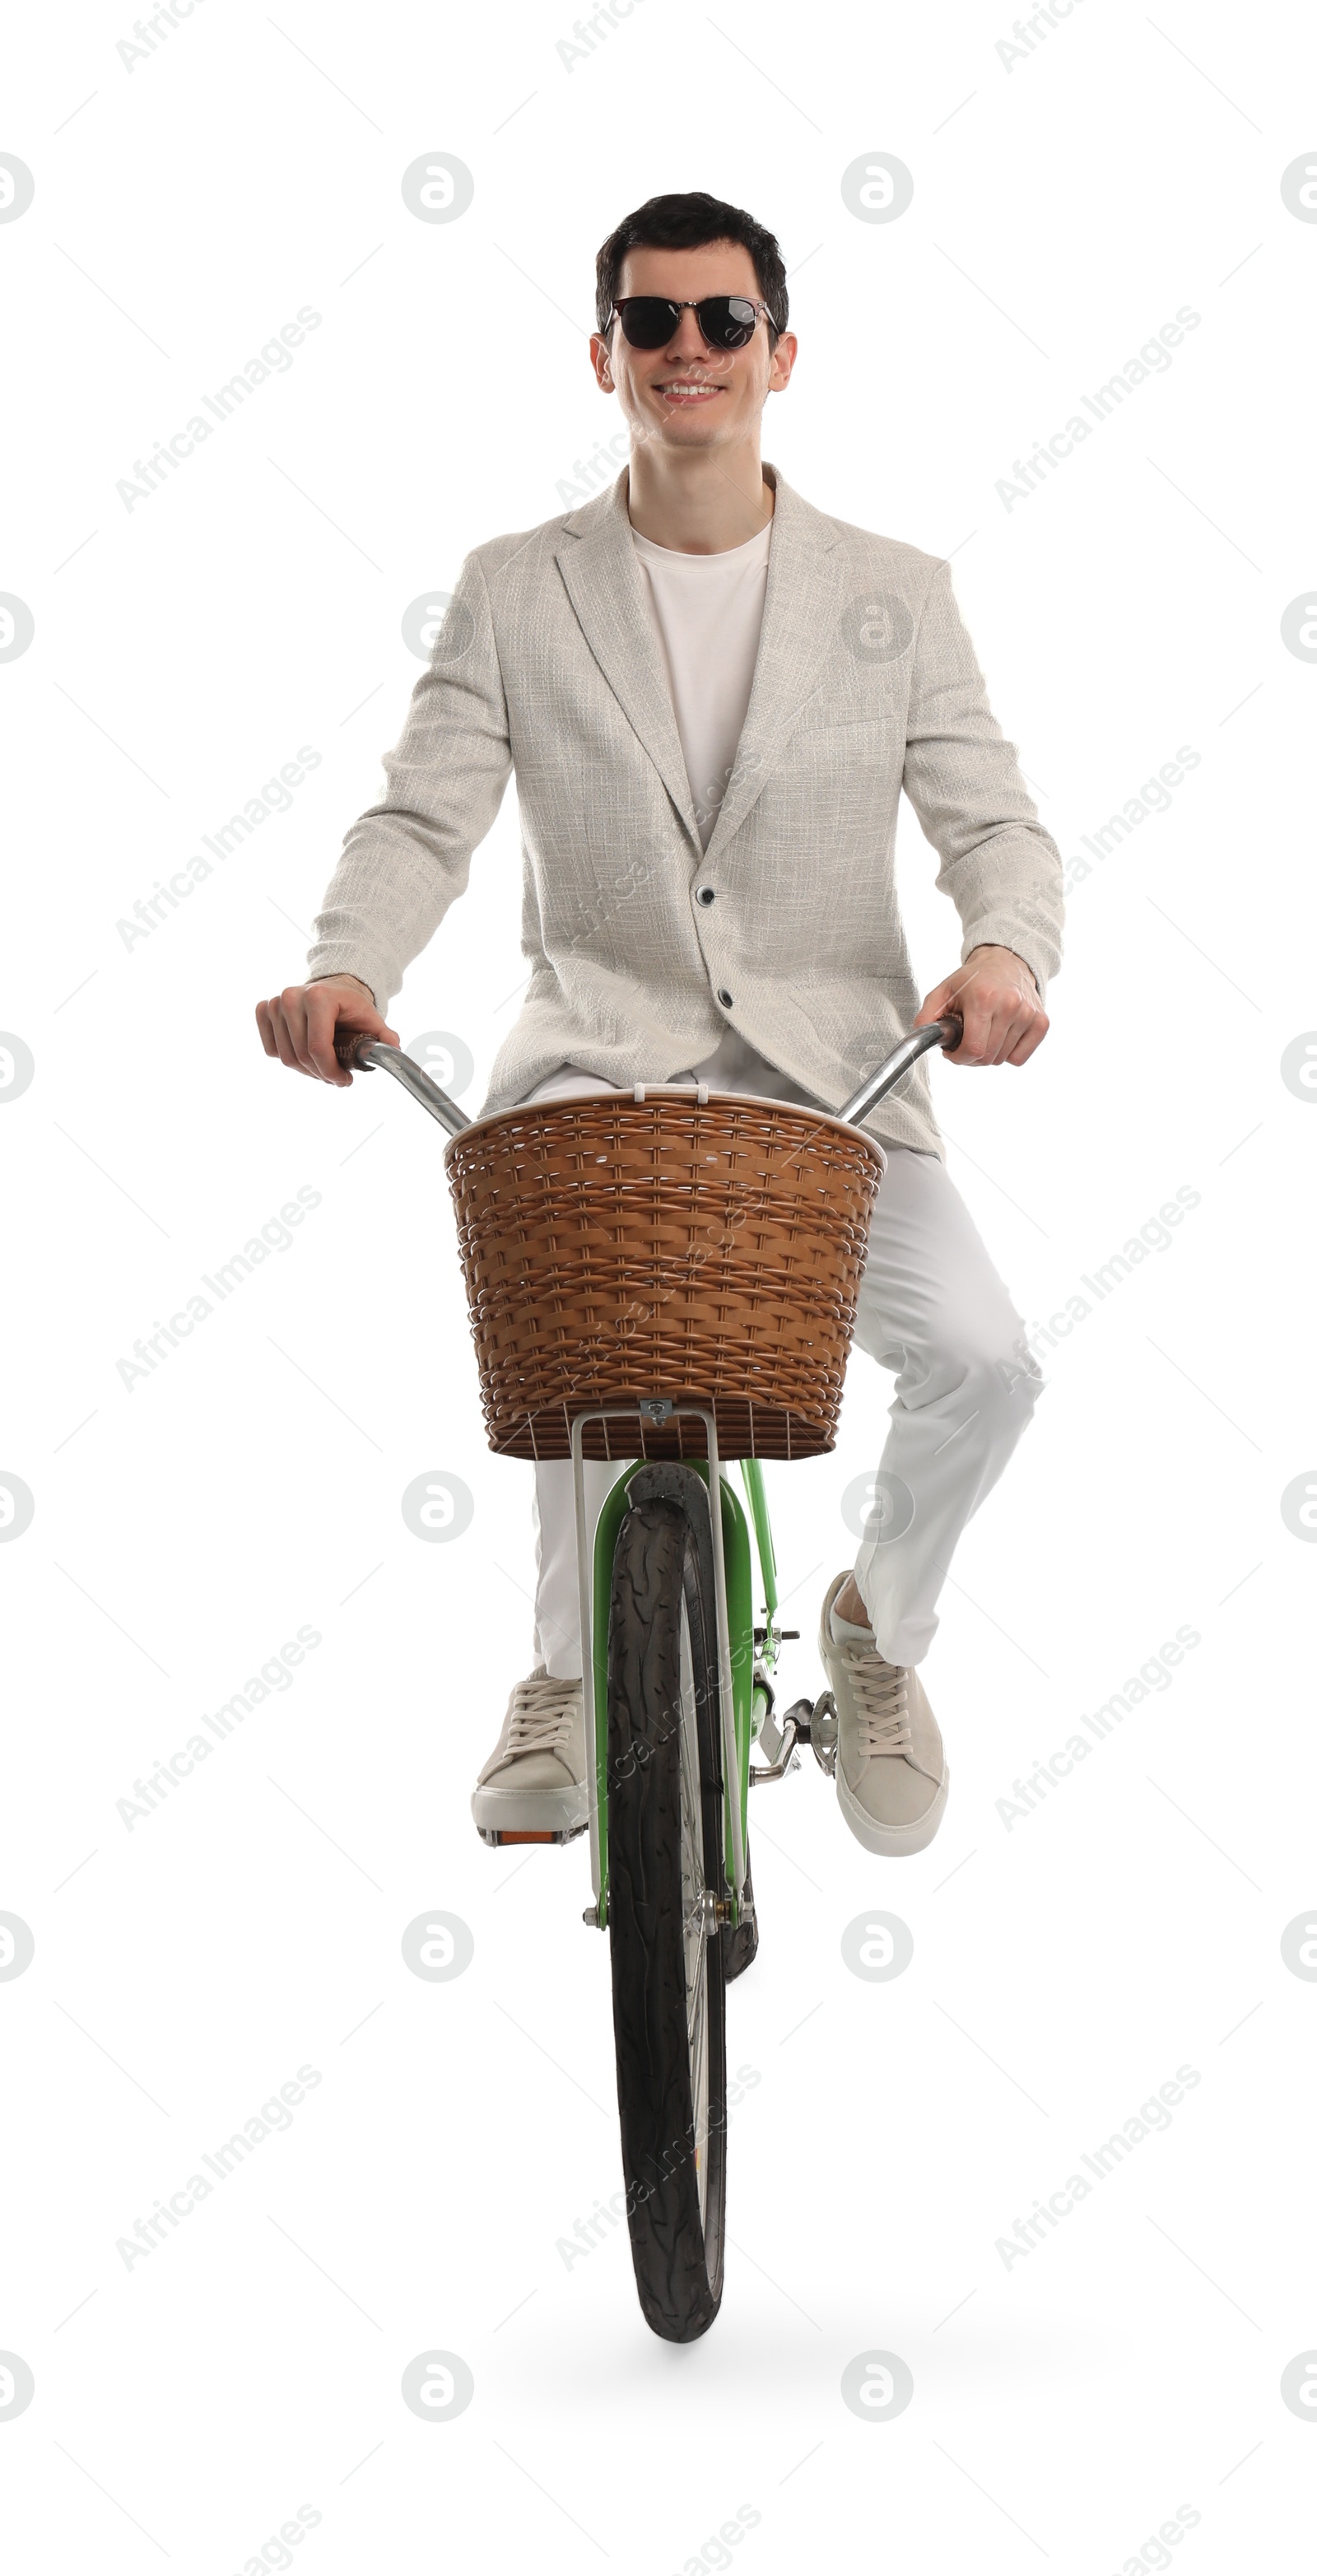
<point>655,1409</point>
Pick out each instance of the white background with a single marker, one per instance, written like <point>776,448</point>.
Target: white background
<point>1065,2405</point>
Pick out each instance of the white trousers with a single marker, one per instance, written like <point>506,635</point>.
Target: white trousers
<point>931,1308</point>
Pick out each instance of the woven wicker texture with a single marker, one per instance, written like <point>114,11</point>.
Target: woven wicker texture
<point>622,1247</point>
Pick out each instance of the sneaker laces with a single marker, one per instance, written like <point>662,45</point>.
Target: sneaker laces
<point>538,1719</point>
<point>880,1704</point>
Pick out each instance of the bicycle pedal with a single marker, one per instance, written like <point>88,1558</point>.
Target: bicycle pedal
<point>781,1742</point>
<point>823,1733</point>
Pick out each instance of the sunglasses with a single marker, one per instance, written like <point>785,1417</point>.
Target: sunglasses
<point>649,321</point>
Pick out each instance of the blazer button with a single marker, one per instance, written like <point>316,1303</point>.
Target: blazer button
<point>724,997</point>
<point>704,894</point>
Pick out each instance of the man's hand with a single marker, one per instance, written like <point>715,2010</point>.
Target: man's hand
<point>997,998</point>
<point>298,1025</point>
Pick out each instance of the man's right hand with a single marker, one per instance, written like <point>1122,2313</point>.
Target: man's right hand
<point>298,1025</point>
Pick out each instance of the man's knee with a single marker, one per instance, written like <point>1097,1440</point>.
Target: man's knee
<point>995,1374</point>
<point>1014,1369</point>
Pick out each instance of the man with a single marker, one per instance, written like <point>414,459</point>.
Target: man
<point>712,695</point>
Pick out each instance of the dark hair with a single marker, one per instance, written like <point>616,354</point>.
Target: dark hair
<point>686,223</point>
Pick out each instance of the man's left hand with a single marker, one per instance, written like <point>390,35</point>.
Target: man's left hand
<point>997,999</point>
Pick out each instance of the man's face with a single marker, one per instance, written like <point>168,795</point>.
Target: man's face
<point>686,394</point>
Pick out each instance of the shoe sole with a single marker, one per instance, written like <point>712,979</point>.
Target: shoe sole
<point>495,1837</point>
<point>894,1842</point>
<point>553,1818</point>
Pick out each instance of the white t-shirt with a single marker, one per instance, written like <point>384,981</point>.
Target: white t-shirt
<point>707,612</point>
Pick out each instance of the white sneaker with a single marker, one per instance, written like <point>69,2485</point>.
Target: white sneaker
<point>532,1789</point>
<point>892,1778</point>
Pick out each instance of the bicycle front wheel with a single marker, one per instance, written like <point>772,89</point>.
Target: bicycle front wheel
<point>665,1880</point>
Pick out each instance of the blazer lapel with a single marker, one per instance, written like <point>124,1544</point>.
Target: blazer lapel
<point>801,606</point>
<point>605,584</point>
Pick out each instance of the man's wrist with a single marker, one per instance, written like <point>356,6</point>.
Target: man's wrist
<point>340,975</point>
<point>1010,952</point>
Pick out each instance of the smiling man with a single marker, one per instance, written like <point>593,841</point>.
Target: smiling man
<point>712,695</point>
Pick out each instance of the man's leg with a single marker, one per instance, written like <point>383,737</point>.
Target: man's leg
<point>557,1593</point>
<point>931,1307</point>
<point>557,1597</point>
<point>534,1780</point>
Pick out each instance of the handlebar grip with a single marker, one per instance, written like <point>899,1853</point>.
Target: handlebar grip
<point>349,1046</point>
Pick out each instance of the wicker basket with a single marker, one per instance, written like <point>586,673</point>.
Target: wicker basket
<point>644,1244</point>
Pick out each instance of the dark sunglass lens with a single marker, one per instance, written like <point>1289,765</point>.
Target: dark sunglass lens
<point>649,320</point>
<point>727,321</point>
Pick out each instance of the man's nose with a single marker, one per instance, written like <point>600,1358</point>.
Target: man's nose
<point>688,342</point>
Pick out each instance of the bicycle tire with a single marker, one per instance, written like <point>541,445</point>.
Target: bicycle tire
<point>664,1773</point>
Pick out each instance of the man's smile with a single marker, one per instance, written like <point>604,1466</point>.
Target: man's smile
<point>687,389</point>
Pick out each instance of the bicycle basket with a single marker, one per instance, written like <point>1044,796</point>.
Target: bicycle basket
<point>631,1245</point>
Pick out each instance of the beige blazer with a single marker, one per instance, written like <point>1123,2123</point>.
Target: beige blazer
<point>865,683</point>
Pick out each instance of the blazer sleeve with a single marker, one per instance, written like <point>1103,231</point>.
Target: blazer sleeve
<point>1001,869</point>
<point>406,859</point>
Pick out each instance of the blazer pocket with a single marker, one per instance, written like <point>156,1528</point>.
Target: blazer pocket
<point>865,742</point>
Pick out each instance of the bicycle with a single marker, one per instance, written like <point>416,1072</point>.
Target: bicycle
<point>678,1680</point>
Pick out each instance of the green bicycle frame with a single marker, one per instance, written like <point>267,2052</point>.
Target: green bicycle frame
<point>749,1702</point>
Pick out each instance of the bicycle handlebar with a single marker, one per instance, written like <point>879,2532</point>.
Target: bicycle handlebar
<point>875,1086</point>
<point>358,1053</point>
